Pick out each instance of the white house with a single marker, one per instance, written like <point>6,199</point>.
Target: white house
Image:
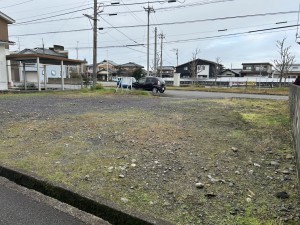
<point>5,75</point>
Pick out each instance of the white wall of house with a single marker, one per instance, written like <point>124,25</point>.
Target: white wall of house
<point>8,70</point>
<point>52,71</point>
<point>3,70</point>
<point>203,71</point>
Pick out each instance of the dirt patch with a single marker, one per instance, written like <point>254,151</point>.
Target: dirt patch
<point>185,161</point>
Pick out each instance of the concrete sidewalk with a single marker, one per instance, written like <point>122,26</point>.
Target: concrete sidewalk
<point>22,206</point>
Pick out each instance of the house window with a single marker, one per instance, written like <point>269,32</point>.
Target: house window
<point>248,68</point>
<point>257,68</point>
<point>185,68</point>
<point>200,67</point>
<point>295,67</point>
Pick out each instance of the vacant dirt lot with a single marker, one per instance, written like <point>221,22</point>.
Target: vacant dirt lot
<point>186,161</point>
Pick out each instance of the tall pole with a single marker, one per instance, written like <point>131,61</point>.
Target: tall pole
<point>77,51</point>
<point>95,44</point>
<point>177,55</point>
<point>161,36</point>
<point>155,51</point>
<point>107,64</point>
<point>148,10</point>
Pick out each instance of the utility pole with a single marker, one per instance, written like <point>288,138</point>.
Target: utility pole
<point>161,36</point>
<point>77,51</point>
<point>95,29</point>
<point>19,44</point>
<point>176,52</point>
<point>148,10</point>
<point>107,64</point>
<point>177,56</point>
<point>95,44</point>
<point>155,51</point>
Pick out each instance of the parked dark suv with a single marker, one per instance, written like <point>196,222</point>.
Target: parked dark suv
<point>154,84</point>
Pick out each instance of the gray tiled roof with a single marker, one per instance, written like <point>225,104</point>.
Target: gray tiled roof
<point>204,60</point>
<point>42,51</point>
<point>131,64</point>
<point>110,62</point>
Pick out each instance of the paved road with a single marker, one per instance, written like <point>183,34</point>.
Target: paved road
<point>20,206</point>
<point>188,94</point>
<point>202,94</point>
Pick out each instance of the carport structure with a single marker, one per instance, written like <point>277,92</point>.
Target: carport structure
<point>40,56</point>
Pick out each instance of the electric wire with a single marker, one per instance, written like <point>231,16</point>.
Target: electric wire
<point>21,3</point>
<point>173,23</point>
<point>262,31</point>
<point>125,12</point>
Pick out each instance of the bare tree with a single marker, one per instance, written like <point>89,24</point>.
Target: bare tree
<point>154,68</point>
<point>194,69</point>
<point>218,68</point>
<point>284,63</point>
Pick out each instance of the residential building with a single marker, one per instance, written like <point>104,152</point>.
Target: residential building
<point>40,64</point>
<point>127,69</point>
<point>5,75</point>
<point>166,71</point>
<point>106,70</point>
<point>231,73</point>
<point>203,69</point>
<point>293,72</point>
<point>29,69</point>
<point>256,69</point>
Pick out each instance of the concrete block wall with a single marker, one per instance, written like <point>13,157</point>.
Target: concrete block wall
<point>294,99</point>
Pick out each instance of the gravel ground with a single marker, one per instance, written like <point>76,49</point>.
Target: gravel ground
<point>186,161</point>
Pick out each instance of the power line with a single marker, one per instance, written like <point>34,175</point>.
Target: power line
<point>21,3</point>
<point>119,30</point>
<point>207,20</point>
<point>57,11</point>
<point>126,12</point>
<point>171,23</point>
<point>51,32</point>
<point>62,14</point>
<point>268,30</point>
<point>234,34</point>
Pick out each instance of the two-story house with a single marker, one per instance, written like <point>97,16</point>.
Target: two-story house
<point>127,69</point>
<point>166,71</point>
<point>106,70</point>
<point>256,69</point>
<point>202,69</point>
<point>5,75</point>
<point>293,71</point>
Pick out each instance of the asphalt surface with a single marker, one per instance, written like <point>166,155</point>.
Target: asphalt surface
<point>202,94</point>
<point>186,94</point>
<point>21,206</point>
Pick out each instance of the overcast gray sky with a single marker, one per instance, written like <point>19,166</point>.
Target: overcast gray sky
<point>187,25</point>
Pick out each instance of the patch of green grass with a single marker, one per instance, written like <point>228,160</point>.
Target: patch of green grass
<point>265,120</point>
